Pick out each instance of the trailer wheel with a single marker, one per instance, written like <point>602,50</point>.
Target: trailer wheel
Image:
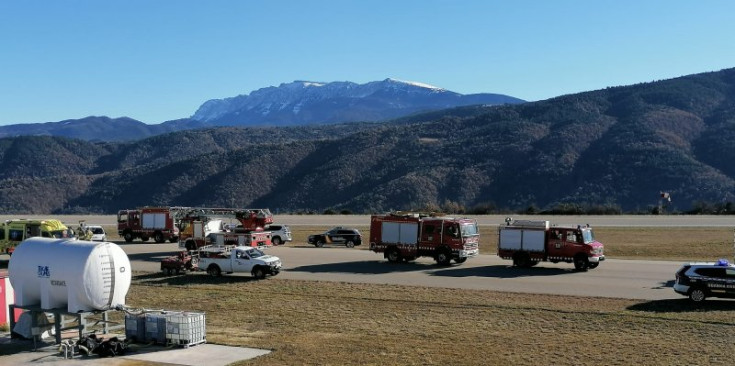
<point>214,271</point>
<point>581,263</point>
<point>393,255</point>
<point>443,257</point>
<point>258,273</point>
<point>158,237</point>
<point>128,236</point>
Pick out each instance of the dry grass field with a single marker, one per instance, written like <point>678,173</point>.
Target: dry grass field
<point>655,243</point>
<point>321,323</point>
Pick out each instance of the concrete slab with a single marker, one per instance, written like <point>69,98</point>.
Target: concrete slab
<point>201,354</point>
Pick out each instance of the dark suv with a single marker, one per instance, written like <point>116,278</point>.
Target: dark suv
<point>702,280</point>
<point>338,235</point>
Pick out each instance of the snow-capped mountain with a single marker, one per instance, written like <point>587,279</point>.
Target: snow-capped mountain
<point>307,102</point>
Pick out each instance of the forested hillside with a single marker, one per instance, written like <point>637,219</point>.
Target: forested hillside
<point>613,148</point>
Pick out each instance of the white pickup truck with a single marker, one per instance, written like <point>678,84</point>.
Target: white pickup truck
<point>239,259</point>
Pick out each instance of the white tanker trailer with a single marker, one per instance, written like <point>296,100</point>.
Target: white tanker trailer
<point>79,275</point>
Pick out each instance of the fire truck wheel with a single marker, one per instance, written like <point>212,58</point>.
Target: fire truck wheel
<point>258,273</point>
<point>158,237</point>
<point>214,271</point>
<point>128,237</point>
<point>443,258</point>
<point>349,244</point>
<point>461,260</point>
<point>190,245</point>
<point>393,255</point>
<point>168,271</point>
<point>593,265</point>
<point>581,263</point>
<point>533,263</point>
<point>522,260</point>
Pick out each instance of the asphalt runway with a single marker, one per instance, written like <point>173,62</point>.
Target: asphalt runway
<point>359,220</point>
<point>632,279</point>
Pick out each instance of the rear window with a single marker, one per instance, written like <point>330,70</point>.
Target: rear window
<point>275,227</point>
<point>683,270</point>
<point>710,272</point>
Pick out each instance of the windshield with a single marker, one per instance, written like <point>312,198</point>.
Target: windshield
<point>469,229</point>
<point>588,236</point>
<point>97,230</point>
<point>255,253</point>
<point>58,234</point>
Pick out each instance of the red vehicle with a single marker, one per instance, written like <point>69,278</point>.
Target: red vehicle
<point>529,242</point>
<point>179,263</point>
<point>148,222</point>
<point>408,235</point>
<point>209,226</point>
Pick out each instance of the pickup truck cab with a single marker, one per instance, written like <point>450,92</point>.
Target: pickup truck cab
<point>239,259</point>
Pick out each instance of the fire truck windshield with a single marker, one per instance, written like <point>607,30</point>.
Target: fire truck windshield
<point>588,236</point>
<point>469,229</point>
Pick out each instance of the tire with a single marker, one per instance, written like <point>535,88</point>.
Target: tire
<point>276,240</point>
<point>168,271</point>
<point>461,260</point>
<point>214,271</point>
<point>190,245</point>
<point>522,260</point>
<point>178,271</point>
<point>349,244</point>
<point>258,273</point>
<point>697,294</point>
<point>593,265</point>
<point>128,236</point>
<point>533,263</point>
<point>443,257</point>
<point>393,255</point>
<point>319,243</point>
<point>158,237</point>
<point>581,263</point>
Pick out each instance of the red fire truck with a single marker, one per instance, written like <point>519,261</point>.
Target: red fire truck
<point>209,226</point>
<point>409,235</point>
<point>529,242</point>
<point>147,222</point>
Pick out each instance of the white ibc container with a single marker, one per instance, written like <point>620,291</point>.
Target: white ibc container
<point>79,275</point>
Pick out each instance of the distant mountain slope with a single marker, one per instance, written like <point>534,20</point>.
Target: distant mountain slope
<point>617,147</point>
<point>294,104</point>
<point>89,128</point>
<point>306,102</point>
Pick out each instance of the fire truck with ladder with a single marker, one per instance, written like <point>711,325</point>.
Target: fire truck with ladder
<point>158,223</point>
<point>223,227</point>
<point>409,235</point>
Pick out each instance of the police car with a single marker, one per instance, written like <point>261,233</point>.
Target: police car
<point>699,281</point>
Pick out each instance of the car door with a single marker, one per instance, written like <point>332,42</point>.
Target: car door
<point>336,237</point>
<point>242,261</point>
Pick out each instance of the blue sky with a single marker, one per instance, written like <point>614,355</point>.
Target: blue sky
<point>157,60</point>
